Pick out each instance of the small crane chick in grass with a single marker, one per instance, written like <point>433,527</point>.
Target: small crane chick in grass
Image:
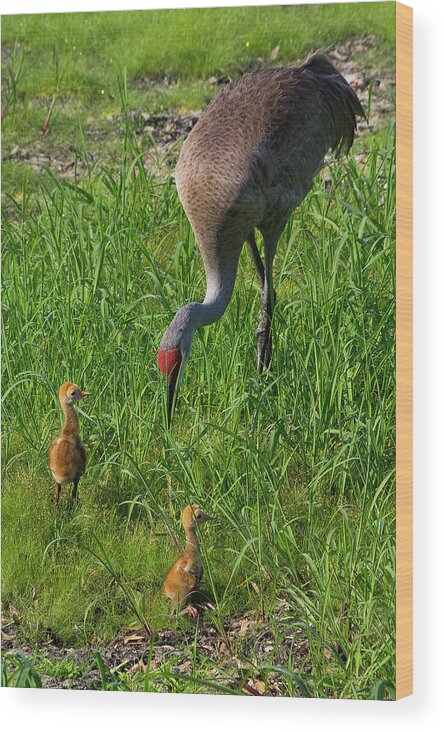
<point>184,577</point>
<point>67,456</point>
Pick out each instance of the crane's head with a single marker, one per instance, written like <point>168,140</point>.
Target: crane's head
<point>70,393</point>
<point>174,350</point>
<point>192,515</point>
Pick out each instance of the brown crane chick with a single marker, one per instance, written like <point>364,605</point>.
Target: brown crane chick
<point>184,577</point>
<point>67,456</point>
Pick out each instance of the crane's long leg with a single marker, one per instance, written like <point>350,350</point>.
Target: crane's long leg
<point>263,333</point>
<point>256,257</point>
<point>268,301</point>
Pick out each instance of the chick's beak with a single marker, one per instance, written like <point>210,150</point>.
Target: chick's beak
<point>84,394</point>
<point>206,517</point>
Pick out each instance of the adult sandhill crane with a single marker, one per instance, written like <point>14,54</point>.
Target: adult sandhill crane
<point>247,163</point>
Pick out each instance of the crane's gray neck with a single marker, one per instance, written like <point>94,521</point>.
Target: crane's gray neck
<point>195,315</point>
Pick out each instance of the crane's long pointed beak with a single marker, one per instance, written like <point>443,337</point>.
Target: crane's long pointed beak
<point>172,381</point>
<point>169,362</point>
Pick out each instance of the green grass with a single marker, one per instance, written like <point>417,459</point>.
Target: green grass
<point>298,465</point>
<point>184,44</point>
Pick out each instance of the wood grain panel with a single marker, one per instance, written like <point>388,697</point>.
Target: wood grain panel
<point>404,352</point>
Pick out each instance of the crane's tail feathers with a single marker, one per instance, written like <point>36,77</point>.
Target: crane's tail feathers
<point>340,98</point>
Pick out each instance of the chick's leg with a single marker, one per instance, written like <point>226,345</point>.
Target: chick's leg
<point>74,491</point>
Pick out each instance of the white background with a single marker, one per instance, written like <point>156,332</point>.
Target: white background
<point>74,710</point>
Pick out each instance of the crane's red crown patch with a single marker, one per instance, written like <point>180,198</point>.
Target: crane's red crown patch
<point>169,361</point>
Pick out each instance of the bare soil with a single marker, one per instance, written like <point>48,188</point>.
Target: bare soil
<point>233,657</point>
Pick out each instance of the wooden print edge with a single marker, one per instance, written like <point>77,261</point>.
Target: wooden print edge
<point>404,351</point>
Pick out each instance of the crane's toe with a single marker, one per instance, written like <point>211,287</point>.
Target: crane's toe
<point>191,611</point>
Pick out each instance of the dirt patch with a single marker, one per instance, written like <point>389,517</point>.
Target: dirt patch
<point>237,657</point>
<point>157,135</point>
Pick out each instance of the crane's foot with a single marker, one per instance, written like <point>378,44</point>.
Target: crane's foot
<point>207,605</point>
<point>191,611</point>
